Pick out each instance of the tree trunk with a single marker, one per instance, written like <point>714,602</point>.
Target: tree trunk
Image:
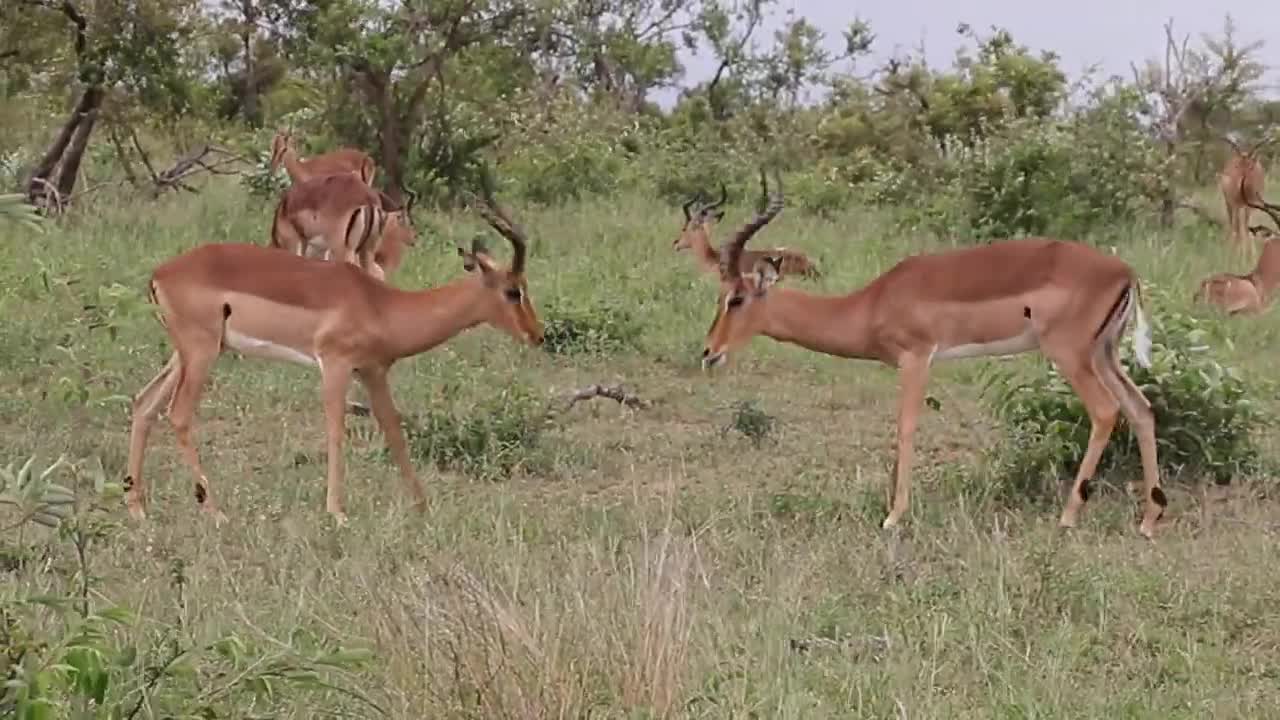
<point>85,112</point>
<point>69,169</point>
<point>250,100</point>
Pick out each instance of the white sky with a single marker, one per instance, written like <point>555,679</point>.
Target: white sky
<point>1110,33</point>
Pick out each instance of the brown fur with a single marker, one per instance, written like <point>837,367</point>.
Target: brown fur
<point>1245,294</point>
<point>339,212</point>
<point>695,235</point>
<point>1068,300</point>
<point>397,235</point>
<point>282,307</point>
<point>1242,182</point>
<point>342,160</point>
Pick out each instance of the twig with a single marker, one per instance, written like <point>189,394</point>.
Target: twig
<point>612,392</point>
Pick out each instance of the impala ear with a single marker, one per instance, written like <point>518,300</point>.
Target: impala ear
<point>766,271</point>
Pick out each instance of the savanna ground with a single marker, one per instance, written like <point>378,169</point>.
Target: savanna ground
<point>637,563</point>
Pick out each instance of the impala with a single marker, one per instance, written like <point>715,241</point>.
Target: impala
<point>276,306</point>
<point>1066,299</point>
<point>342,160</point>
<point>1247,294</point>
<point>341,216</point>
<point>1242,182</point>
<point>695,235</point>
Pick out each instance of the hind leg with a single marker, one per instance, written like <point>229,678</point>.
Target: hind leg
<point>196,363</point>
<point>146,408</point>
<point>1103,409</point>
<point>1138,412</point>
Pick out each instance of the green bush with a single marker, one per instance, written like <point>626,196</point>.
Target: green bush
<point>1206,419</point>
<point>500,433</point>
<point>598,328</point>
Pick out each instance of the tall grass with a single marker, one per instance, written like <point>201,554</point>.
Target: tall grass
<point>654,565</point>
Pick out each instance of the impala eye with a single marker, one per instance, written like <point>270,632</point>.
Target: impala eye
<point>734,301</point>
<point>513,294</point>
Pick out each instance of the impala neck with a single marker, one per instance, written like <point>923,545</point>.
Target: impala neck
<point>292,163</point>
<point>1266,276</point>
<point>422,319</point>
<point>708,256</point>
<point>835,325</point>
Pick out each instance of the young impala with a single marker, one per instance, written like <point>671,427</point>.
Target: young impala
<point>331,315</point>
<point>342,160</point>
<point>339,216</point>
<point>1248,294</point>
<point>1067,299</point>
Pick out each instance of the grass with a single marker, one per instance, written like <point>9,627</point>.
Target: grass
<point>650,564</point>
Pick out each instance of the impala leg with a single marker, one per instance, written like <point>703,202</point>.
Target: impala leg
<point>1137,410</point>
<point>1103,410</point>
<point>336,379</point>
<point>384,410</point>
<point>1231,220</point>
<point>146,408</point>
<point>193,374</point>
<point>914,376</point>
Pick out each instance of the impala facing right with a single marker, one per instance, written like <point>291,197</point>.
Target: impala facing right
<point>1067,299</point>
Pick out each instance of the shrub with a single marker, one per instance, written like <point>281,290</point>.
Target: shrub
<point>599,328</point>
<point>499,434</point>
<point>1206,419</point>
<point>751,421</point>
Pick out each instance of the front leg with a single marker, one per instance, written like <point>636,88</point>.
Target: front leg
<point>913,373</point>
<point>384,410</point>
<point>335,380</point>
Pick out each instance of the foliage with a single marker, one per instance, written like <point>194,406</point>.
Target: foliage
<point>751,421</point>
<point>1207,417</point>
<point>15,210</point>
<point>500,433</point>
<point>597,328</point>
<point>67,656</point>
<point>34,496</point>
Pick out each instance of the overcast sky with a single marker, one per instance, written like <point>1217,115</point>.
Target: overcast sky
<point>1110,33</point>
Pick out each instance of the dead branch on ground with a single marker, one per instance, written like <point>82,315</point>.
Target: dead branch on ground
<point>613,392</point>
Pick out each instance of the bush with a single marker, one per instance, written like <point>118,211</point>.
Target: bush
<point>751,421</point>
<point>499,434</point>
<point>1206,419</point>
<point>599,328</point>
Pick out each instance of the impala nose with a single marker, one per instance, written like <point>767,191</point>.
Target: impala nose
<point>711,359</point>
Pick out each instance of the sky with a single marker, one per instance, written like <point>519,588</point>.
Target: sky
<point>1109,33</point>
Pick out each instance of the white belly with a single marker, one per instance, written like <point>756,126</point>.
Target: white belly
<point>267,350</point>
<point>1025,342</point>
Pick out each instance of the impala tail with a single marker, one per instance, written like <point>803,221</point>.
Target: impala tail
<point>1141,330</point>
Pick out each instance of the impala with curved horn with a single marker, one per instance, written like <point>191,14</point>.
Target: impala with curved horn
<point>330,315</point>
<point>695,235</point>
<point>1066,299</point>
<point>1242,181</point>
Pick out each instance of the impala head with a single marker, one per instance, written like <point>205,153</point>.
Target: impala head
<point>399,221</point>
<point>742,304</point>
<point>505,293</point>
<point>699,218</point>
<point>281,144</point>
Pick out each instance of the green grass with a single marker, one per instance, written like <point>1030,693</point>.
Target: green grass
<point>651,563</point>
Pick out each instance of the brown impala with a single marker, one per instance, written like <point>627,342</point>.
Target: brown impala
<point>1066,299</point>
<point>331,315</point>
